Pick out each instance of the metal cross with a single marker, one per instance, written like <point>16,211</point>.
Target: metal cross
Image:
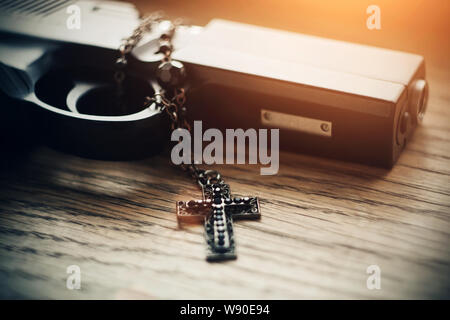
<point>217,210</point>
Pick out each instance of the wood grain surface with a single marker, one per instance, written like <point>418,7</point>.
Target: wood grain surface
<point>323,221</point>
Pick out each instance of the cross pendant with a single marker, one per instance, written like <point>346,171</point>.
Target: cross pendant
<point>217,210</point>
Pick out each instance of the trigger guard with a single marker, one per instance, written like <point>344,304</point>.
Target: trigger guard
<point>119,137</point>
<point>79,89</point>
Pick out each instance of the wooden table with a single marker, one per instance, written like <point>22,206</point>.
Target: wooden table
<point>324,222</point>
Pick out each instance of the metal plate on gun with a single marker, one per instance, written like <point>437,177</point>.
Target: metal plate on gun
<point>297,123</point>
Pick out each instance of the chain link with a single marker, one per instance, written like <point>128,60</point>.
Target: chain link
<point>173,103</point>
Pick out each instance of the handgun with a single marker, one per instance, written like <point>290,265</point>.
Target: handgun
<point>328,98</point>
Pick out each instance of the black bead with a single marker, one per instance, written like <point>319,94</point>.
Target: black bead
<point>165,46</point>
<point>171,73</point>
<point>228,201</point>
<point>237,200</point>
<point>191,203</point>
<point>165,37</point>
<point>218,200</point>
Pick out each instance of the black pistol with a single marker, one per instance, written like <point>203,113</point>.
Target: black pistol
<point>331,98</point>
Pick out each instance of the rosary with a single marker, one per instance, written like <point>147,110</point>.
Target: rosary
<point>218,208</point>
